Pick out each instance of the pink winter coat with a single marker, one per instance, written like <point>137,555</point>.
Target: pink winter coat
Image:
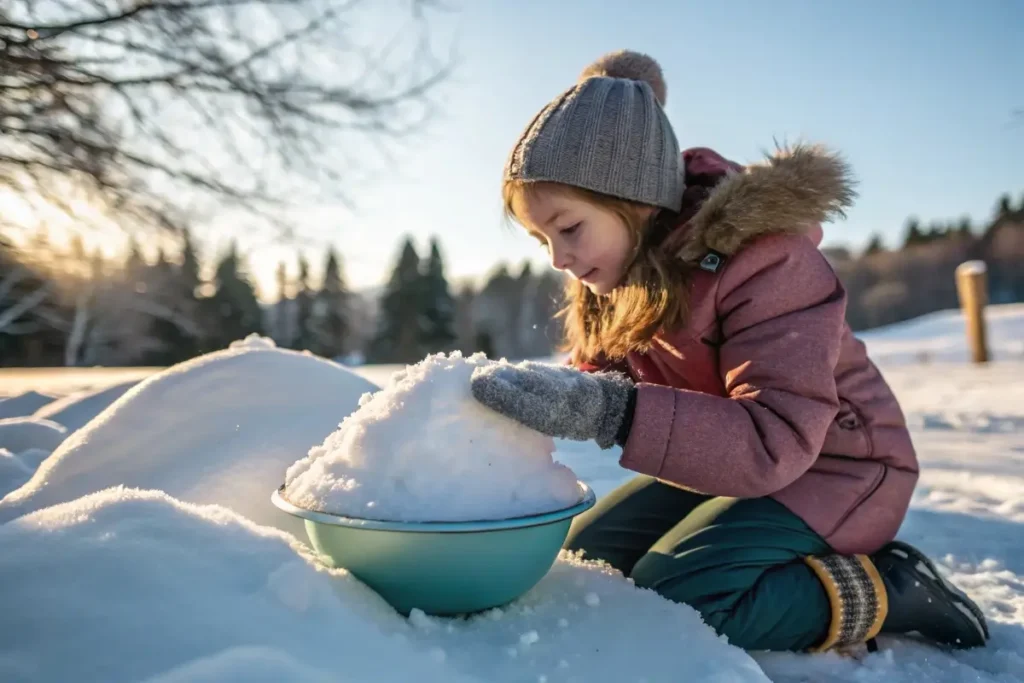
<point>766,392</point>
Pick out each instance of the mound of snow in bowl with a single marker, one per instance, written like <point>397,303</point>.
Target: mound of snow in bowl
<point>423,449</point>
<point>221,429</point>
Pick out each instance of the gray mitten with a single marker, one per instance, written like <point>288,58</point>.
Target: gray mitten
<point>559,401</point>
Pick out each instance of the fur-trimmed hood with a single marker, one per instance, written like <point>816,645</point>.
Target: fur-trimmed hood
<point>793,191</point>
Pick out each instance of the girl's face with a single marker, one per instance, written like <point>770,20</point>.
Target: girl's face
<point>591,243</point>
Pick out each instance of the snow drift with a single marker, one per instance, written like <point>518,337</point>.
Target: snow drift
<point>97,588</point>
<point>19,434</point>
<point>221,429</point>
<point>24,404</point>
<point>75,411</point>
<point>127,585</point>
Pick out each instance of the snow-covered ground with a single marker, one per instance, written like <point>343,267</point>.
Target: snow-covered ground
<point>157,583</point>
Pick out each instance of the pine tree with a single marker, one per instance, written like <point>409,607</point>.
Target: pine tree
<point>183,296</point>
<point>438,332</point>
<point>304,306</point>
<point>173,287</point>
<point>875,245</point>
<point>400,321</point>
<point>914,235</point>
<point>497,312</point>
<point>283,285</point>
<point>936,231</point>
<point>189,278</point>
<point>233,311</point>
<point>1003,208</point>
<point>135,268</point>
<point>283,331</point>
<point>964,229</point>
<point>162,289</point>
<point>329,326</point>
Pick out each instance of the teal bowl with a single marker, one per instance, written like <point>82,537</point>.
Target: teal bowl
<point>442,568</point>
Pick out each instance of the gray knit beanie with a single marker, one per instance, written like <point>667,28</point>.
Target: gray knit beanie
<point>607,133</point>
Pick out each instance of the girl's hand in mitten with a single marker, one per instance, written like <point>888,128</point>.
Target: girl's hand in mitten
<point>557,400</point>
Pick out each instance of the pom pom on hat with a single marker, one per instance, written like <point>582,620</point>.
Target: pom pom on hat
<point>632,65</point>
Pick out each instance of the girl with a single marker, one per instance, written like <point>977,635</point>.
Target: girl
<point>775,466</point>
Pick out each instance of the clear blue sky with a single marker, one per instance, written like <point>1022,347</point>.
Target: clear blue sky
<point>918,96</point>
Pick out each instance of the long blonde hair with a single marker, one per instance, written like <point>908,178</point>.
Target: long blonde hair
<point>652,296</point>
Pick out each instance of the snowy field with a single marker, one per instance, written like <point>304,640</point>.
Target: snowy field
<point>187,573</point>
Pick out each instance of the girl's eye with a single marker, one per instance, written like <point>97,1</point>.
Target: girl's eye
<point>571,230</point>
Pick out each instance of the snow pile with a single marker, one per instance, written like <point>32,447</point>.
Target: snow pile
<point>221,428</point>
<point>33,457</point>
<point>584,622</point>
<point>13,471</point>
<point>24,443</point>
<point>23,404</point>
<point>123,584</point>
<point>126,585</point>
<point>424,449</point>
<point>22,433</point>
<point>77,409</point>
<point>136,586</point>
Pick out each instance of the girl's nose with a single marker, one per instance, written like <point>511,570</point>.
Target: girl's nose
<point>560,258</point>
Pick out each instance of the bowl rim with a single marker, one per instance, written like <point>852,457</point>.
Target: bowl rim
<point>587,502</point>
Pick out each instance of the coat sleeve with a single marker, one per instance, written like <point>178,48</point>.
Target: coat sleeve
<point>781,310</point>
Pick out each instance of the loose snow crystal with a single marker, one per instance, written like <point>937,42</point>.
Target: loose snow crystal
<point>424,449</point>
<point>253,341</point>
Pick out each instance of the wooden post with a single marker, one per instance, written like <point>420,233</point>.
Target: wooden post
<point>972,288</point>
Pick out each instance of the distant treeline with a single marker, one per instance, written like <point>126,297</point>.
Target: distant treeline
<point>70,307</point>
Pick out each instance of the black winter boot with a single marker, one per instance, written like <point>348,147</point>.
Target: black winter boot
<point>921,601</point>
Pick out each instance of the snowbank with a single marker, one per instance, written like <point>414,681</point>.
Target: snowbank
<point>24,443</point>
<point>23,405</point>
<point>942,337</point>
<point>424,449</point>
<point>76,410</point>
<point>127,585</point>
<point>19,434</point>
<point>136,586</point>
<point>13,471</point>
<point>584,622</point>
<point>123,584</point>
<point>222,428</point>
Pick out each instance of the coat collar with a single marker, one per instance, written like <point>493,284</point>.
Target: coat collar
<point>726,205</point>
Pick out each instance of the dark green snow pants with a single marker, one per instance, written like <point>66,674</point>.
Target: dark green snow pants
<point>739,562</point>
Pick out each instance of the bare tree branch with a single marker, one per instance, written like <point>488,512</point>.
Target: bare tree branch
<point>24,306</point>
<point>153,108</point>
